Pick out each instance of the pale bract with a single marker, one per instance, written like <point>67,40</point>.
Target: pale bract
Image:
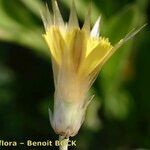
<point>77,56</point>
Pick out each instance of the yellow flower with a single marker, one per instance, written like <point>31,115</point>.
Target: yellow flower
<point>77,56</point>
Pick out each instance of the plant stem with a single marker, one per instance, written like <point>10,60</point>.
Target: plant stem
<point>63,143</point>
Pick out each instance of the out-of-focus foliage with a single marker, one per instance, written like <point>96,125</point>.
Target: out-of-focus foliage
<point>20,23</point>
<point>118,117</point>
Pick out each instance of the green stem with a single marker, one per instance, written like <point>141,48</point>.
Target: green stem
<point>63,143</point>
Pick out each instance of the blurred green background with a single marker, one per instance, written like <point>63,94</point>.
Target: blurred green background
<point>119,116</point>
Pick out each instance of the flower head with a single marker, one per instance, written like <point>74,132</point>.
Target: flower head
<point>77,56</point>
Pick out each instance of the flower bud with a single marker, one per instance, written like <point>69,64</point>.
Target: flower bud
<point>67,118</point>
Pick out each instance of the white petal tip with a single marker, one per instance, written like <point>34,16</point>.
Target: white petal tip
<point>95,29</point>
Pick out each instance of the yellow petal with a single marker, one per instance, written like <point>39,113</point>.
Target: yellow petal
<point>95,57</point>
<point>92,43</point>
<point>76,40</point>
<point>56,43</point>
<point>78,47</point>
